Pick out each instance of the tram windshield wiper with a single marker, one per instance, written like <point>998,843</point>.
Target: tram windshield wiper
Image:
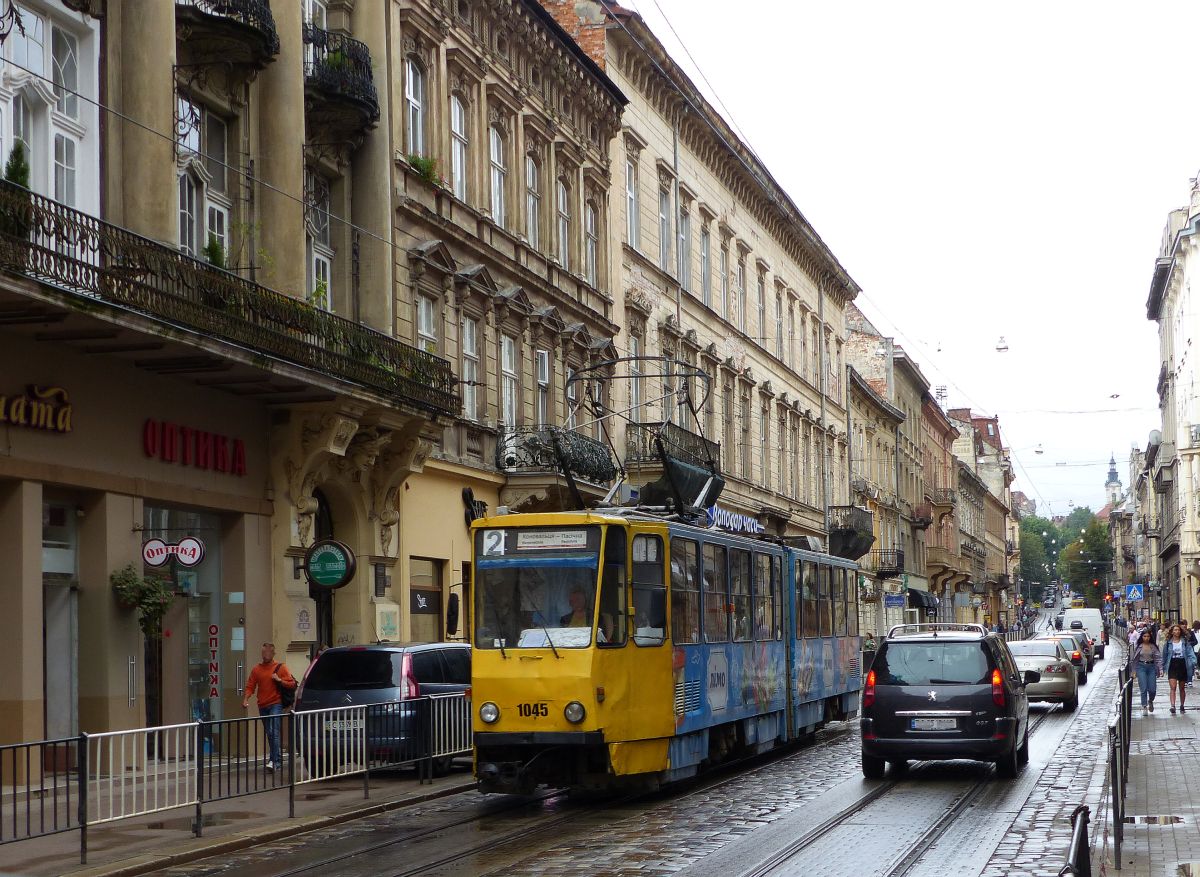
<point>537,615</point>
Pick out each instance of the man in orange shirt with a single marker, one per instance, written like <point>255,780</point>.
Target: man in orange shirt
<point>266,679</point>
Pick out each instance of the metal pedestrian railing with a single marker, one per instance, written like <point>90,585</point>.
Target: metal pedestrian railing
<point>52,786</point>
<point>1120,728</point>
<point>1079,857</point>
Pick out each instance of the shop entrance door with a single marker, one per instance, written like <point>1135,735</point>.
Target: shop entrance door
<point>322,597</point>
<point>60,643</point>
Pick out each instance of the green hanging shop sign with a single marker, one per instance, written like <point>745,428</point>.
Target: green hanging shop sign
<point>329,564</point>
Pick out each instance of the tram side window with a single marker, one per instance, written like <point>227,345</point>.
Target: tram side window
<point>824,606</point>
<point>685,591</point>
<point>612,591</point>
<point>838,595</point>
<point>764,598</point>
<point>852,602</point>
<point>716,595</point>
<point>649,613</point>
<point>780,598</point>
<point>808,599</point>
<point>739,591</point>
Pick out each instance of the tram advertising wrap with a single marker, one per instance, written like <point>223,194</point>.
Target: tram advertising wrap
<point>618,649</point>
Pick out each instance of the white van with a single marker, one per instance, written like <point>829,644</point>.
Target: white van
<point>1093,623</point>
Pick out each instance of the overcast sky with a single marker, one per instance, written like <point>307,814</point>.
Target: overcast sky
<point>981,171</point>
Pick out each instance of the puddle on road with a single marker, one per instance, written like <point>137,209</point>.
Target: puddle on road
<point>185,823</point>
<point>1164,819</point>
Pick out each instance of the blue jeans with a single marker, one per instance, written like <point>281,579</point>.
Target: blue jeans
<point>1147,677</point>
<point>270,719</point>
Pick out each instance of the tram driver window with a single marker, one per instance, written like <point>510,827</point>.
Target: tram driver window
<point>685,591</point>
<point>612,591</point>
<point>649,592</point>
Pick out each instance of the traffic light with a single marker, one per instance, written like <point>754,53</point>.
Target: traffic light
<point>1108,598</point>
<point>1095,583</point>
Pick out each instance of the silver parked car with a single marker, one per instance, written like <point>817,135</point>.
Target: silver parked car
<point>1059,682</point>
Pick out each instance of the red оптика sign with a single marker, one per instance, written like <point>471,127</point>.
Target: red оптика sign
<point>189,551</point>
<point>214,661</point>
<point>188,446</point>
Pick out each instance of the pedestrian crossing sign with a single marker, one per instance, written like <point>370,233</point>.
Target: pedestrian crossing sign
<point>1133,593</point>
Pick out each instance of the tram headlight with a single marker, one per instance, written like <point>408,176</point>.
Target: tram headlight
<point>574,712</point>
<point>489,712</point>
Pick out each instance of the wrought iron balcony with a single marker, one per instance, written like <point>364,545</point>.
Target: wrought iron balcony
<point>850,531</point>
<point>556,449</point>
<point>945,496</point>
<point>677,442</point>
<point>339,84</point>
<point>888,563</point>
<point>97,264</point>
<point>1010,547</point>
<point>922,516</point>
<point>227,31</point>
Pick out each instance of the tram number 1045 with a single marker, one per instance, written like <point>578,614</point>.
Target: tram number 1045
<point>532,710</point>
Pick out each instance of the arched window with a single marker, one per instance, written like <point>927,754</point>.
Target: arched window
<point>591,244</point>
<point>563,202</point>
<point>458,146</point>
<point>499,173</point>
<point>533,201</point>
<point>414,99</point>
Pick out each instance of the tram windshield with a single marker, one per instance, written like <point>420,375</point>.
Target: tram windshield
<point>535,587</point>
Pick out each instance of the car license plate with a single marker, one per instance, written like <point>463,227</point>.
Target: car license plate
<point>344,725</point>
<point>934,724</point>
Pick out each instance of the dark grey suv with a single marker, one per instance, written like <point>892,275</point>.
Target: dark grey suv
<point>939,691</point>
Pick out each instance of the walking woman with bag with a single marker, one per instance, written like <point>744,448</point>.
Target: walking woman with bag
<point>1180,661</point>
<point>1147,665</point>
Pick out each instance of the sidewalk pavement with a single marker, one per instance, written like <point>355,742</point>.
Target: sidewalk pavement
<point>145,844</point>
<point>1162,808</point>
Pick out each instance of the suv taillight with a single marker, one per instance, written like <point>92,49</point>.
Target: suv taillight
<point>408,684</point>
<point>997,688</point>
<point>869,690</point>
<point>1076,656</point>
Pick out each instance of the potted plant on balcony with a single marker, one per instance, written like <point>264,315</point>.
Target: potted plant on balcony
<point>427,169</point>
<point>151,598</point>
<point>16,210</point>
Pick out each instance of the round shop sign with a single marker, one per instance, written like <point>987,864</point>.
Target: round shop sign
<point>189,551</point>
<point>329,563</point>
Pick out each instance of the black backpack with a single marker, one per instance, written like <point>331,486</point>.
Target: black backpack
<point>287,696</point>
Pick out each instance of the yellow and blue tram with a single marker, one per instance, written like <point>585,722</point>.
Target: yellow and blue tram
<point>613,648</point>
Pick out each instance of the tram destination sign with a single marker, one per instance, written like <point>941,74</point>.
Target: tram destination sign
<point>329,564</point>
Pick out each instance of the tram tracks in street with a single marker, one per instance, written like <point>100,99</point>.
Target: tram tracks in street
<point>914,852</point>
<point>727,773</point>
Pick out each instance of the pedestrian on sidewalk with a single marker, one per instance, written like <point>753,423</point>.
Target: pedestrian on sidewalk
<point>1181,664</point>
<point>1146,659</point>
<point>267,679</point>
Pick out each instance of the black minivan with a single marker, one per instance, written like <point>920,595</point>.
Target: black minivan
<point>941,691</point>
<point>386,677</point>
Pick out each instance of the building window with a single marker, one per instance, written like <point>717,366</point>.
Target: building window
<point>685,250</point>
<point>741,294</point>
<point>499,173</point>
<point>425,581</point>
<point>427,333</point>
<point>319,240</point>
<point>563,225</point>
<point>572,399</point>
<point>747,442</point>
<point>23,125</point>
<point>706,267</point>
<point>632,224</point>
<point>470,368</point>
<point>533,201</point>
<point>710,408</point>
<point>779,324</point>
<point>543,387</point>
<point>723,267</point>
<point>664,229</point>
<point>764,420</point>
<point>635,379</point>
<point>762,309</point>
<point>509,381</point>
<point>789,350</point>
<point>591,244</point>
<point>459,167</point>
<point>64,172</point>
<point>187,214</point>
<point>29,42</point>
<point>218,226</point>
<point>781,461</point>
<point>65,49</point>
<point>414,100</point>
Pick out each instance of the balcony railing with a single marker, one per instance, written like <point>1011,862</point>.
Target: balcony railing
<point>1010,547</point>
<point>888,563</point>
<point>922,516</point>
<point>850,531</point>
<point>232,30</point>
<point>945,496</point>
<point>99,262</point>
<point>554,449</point>
<point>340,67</point>
<point>849,517</point>
<point>677,442</point>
